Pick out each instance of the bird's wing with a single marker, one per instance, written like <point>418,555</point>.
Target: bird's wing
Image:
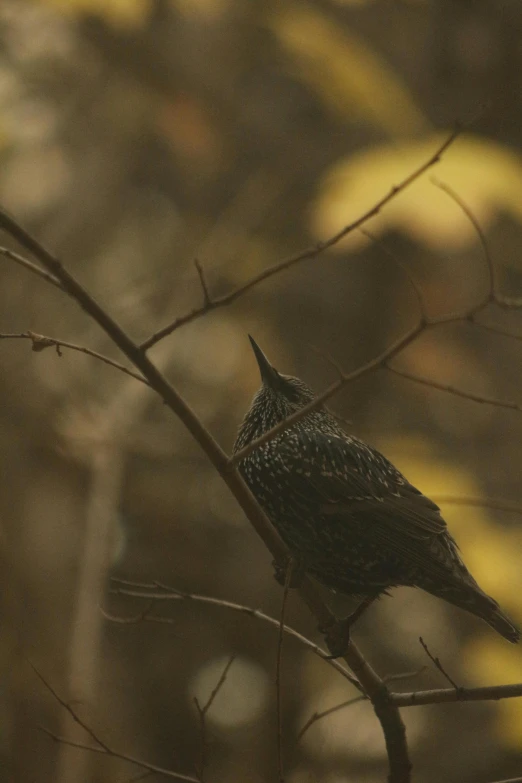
<point>347,477</point>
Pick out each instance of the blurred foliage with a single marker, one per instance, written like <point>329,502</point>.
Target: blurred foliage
<point>486,176</point>
<point>120,13</point>
<point>344,72</point>
<point>137,136</point>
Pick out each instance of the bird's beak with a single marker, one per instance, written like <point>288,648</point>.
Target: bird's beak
<point>269,374</point>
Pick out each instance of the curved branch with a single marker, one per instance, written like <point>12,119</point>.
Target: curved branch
<point>495,402</point>
<point>36,270</point>
<point>146,592</point>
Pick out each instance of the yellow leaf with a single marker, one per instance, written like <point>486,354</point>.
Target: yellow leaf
<point>487,176</point>
<point>344,72</point>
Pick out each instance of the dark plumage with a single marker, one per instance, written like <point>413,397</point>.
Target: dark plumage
<point>352,519</point>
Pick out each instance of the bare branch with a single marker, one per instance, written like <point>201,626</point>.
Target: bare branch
<point>100,747</point>
<point>68,708</point>
<point>168,773</point>
<point>493,295</point>
<point>203,710</point>
<point>317,716</point>
<point>40,342</point>
<point>492,288</point>
<point>437,664</point>
<point>279,702</point>
<point>495,402</point>
<point>511,780</point>
<point>446,695</point>
<point>36,270</point>
<point>403,267</point>
<point>311,252</point>
<point>497,329</point>
<point>138,590</point>
<point>207,302</point>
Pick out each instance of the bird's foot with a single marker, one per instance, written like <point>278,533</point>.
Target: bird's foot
<point>281,571</point>
<point>337,637</point>
<point>337,633</point>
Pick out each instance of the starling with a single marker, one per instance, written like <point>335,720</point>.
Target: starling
<point>348,516</point>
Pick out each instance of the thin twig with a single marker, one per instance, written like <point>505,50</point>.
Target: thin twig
<point>319,715</point>
<point>505,302</point>
<point>497,330</point>
<point>511,780</point>
<point>101,747</point>
<point>153,768</point>
<point>279,659</point>
<point>36,270</point>
<point>40,342</point>
<point>492,289</point>
<point>494,401</point>
<point>74,715</point>
<point>309,253</point>
<point>207,302</point>
<point>140,590</point>
<point>203,710</point>
<point>383,247</point>
<point>447,695</point>
<point>438,664</point>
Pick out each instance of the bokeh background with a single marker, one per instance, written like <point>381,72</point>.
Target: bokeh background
<point>135,137</point>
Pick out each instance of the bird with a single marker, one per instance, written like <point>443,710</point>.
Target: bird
<point>348,516</point>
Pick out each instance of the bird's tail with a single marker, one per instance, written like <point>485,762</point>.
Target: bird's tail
<point>485,607</point>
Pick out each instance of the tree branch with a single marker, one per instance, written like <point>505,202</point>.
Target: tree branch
<point>139,590</point>
<point>279,659</point>
<point>168,773</point>
<point>446,695</point>
<point>495,402</point>
<point>100,746</point>
<point>311,252</point>
<point>36,270</point>
<point>40,342</point>
<point>317,716</point>
<point>203,710</point>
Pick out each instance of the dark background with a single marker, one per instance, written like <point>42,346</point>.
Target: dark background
<point>136,137</point>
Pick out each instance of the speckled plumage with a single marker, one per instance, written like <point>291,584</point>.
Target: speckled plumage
<point>354,521</point>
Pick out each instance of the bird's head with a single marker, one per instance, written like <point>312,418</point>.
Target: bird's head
<point>289,392</point>
<point>278,397</point>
